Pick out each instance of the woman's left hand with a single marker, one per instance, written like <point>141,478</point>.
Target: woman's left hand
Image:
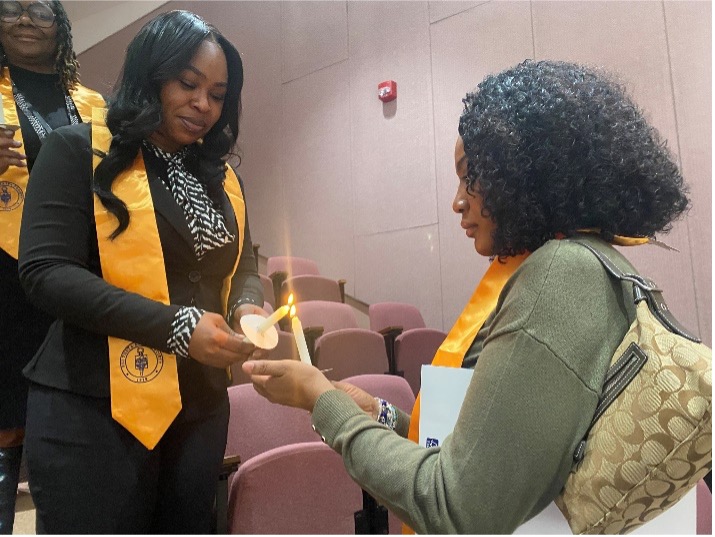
<point>364,400</point>
<point>288,382</point>
<point>249,309</point>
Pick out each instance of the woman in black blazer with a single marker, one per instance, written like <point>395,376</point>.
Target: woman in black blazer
<point>147,264</point>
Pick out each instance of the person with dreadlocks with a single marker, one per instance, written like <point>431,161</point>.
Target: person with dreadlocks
<point>40,91</point>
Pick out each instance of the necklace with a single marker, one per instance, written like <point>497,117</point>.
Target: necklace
<point>39,125</point>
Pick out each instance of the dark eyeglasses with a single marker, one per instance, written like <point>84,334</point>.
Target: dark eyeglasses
<point>40,14</point>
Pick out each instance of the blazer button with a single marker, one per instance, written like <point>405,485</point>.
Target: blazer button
<point>194,276</point>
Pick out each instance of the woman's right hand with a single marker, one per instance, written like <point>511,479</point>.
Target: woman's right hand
<point>8,156</point>
<point>213,343</point>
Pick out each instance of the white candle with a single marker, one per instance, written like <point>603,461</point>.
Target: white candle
<point>273,319</point>
<point>300,341</point>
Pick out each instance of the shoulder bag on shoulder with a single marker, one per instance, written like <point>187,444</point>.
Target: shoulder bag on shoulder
<point>650,439</point>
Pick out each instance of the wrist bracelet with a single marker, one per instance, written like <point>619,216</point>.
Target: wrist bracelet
<point>235,306</point>
<point>387,414</point>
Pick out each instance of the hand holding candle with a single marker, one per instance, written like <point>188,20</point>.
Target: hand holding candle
<point>299,338</point>
<point>260,330</point>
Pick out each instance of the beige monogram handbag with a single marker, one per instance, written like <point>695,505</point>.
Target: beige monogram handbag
<point>650,439</point>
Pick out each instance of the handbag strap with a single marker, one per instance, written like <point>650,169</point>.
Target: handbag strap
<point>629,364</point>
<point>618,377</point>
<point>643,289</point>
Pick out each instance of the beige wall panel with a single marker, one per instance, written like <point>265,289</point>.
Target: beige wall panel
<point>441,9</point>
<point>392,143</point>
<point>377,27</point>
<point>93,20</point>
<point>314,36</point>
<point>401,266</point>
<point>628,39</point>
<point>463,53</point>
<point>690,41</point>
<point>100,65</point>
<point>315,169</point>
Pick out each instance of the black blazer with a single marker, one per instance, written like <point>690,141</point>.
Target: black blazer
<point>60,272</point>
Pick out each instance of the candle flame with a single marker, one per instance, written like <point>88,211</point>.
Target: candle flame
<point>290,299</point>
<point>292,311</point>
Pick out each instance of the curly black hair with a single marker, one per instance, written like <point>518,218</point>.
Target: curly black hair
<point>554,147</point>
<point>66,64</point>
<point>161,50</point>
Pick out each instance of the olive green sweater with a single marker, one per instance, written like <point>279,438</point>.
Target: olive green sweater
<point>542,356</point>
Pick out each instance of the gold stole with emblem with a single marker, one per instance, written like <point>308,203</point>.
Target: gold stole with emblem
<point>143,381</point>
<point>13,182</point>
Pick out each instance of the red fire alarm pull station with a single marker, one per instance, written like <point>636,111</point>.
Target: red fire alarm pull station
<point>387,91</point>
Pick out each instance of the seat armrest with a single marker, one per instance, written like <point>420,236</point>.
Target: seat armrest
<point>278,277</point>
<point>341,285</point>
<point>230,465</point>
<point>390,333</point>
<point>312,333</point>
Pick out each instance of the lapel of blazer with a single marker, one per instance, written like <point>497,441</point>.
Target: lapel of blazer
<point>165,205</point>
<point>229,216</point>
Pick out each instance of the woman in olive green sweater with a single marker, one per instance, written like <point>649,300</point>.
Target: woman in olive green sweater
<point>547,150</point>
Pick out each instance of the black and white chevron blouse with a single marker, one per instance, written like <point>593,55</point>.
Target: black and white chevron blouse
<point>207,226</point>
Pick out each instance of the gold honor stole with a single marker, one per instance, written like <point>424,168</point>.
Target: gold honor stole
<point>484,300</point>
<point>13,183</point>
<point>144,384</point>
<point>451,352</point>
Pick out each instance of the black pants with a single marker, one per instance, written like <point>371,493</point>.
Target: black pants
<point>89,475</point>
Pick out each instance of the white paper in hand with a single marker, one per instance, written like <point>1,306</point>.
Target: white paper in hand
<point>442,393</point>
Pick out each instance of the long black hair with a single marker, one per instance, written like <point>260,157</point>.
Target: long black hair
<point>555,147</point>
<point>161,50</point>
<point>66,64</point>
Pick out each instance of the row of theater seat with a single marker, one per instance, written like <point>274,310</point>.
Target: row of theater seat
<point>306,286</point>
<point>398,341</point>
<point>300,276</point>
<point>288,481</point>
